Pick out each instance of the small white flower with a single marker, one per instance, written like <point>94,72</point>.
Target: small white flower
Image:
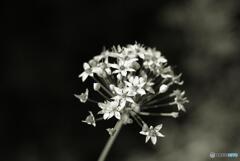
<point>87,72</point>
<point>153,59</point>
<point>177,79</point>
<point>148,87</point>
<point>163,88</point>
<point>105,67</point>
<point>122,67</point>
<point>159,57</point>
<point>179,104</point>
<point>110,109</point>
<point>179,99</point>
<point>152,133</point>
<point>122,95</point>
<point>165,72</point>
<point>148,83</point>
<point>83,97</point>
<point>128,55</point>
<point>136,85</point>
<point>90,119</point>
<point>135,50</point>
<point>111,131</point>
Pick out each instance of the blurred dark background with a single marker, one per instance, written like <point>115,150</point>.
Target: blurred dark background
<point>46,43</point>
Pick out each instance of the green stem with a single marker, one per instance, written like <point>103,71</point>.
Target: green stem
<point>110,141</point>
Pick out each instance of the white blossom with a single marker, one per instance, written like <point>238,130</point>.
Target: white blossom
<point>83,97</point>
<point>131,80</point>
<point>152,133</point>
<point>90,119</point>
<point>136,85</point>
<point>123,95</point>
<point>148,83</point>
<point>88,71</point>
<point>153,59</point>
<point>177,79</point>
<point>110,109</point>
<point>123,67</point>
<point>179,99</point>
<point>111,131</point>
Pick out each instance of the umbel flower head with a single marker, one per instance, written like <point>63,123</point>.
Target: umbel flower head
<point>133,81</point>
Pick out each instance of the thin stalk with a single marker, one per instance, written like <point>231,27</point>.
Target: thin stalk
<point>103,95</point>
<point>154,101</point>
<point>172,114</point>
<point>137,121</point>
<point>103,87</point>
<point>110,141</point>
<point>91,100</point>
<point>157,106</point>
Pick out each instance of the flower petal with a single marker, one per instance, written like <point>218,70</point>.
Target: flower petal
<point>114,66</point>
<point>147,138</point>
<point>122,103</point>
<point>159,134</point>
<point>124,73</point>
<point>114,104</point>
<point>105,116</point>
<point>158,127</point>
<point>129,99</point>
<point>143,132</point>
<point>116,71</point>
<point>86,66</point>
<point>154,139</point>
<point>111,114</point>
<point>117,115</point>
<point>118,90</point>
<point>141,91</point>
<point>84,76</point>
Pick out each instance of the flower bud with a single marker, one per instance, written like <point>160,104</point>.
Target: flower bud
<point>163,88</point>
<point>96,86</point>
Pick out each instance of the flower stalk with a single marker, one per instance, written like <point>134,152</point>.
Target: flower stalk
<point>110,141</point>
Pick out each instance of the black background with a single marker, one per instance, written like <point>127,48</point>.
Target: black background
<point>46,43</point>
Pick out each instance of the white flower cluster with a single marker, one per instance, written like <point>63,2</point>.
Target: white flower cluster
<point>133,80</point>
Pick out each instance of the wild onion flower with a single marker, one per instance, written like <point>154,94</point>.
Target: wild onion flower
<point>151,133</point>
<point>132,81</point>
